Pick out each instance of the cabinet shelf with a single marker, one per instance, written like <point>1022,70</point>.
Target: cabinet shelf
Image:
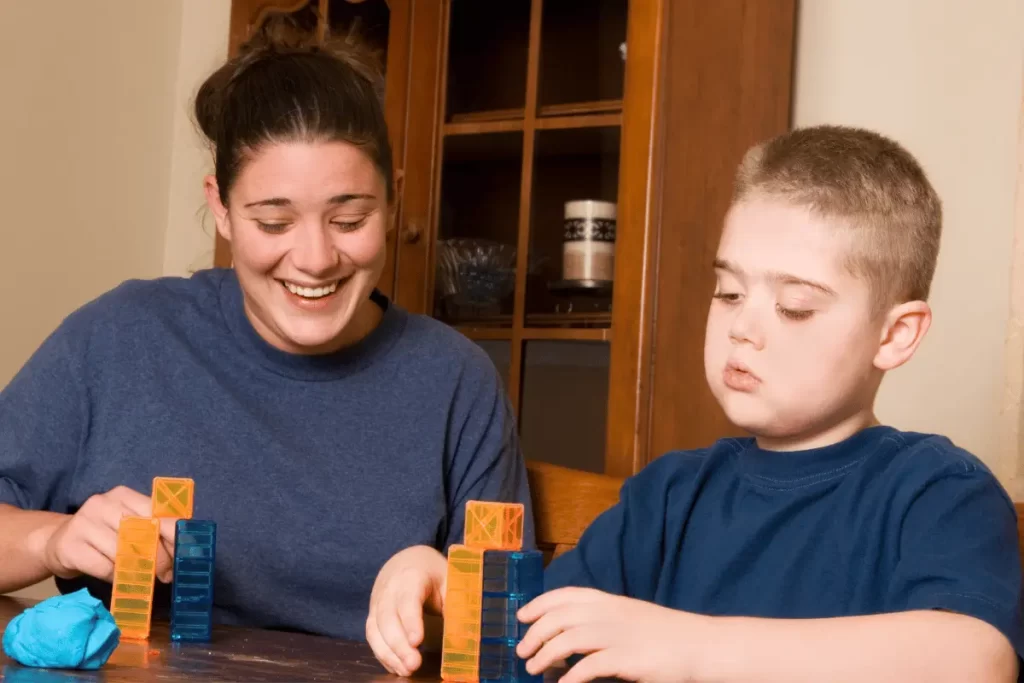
<point>573,115</point>
<point>587,320</point>
<point>479,127</point>
<point>476,333</point>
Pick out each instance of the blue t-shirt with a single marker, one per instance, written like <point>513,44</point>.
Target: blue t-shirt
<point>316,469</point>
<point>885,521</point>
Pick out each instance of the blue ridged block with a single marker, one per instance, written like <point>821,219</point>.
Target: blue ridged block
<point>511,579</point>
<point>195,544</point>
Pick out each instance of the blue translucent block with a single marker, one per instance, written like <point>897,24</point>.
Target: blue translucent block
<point>519,572</point>
<point>499,663</point>
<point>498,616</point>
<point>195,544</point>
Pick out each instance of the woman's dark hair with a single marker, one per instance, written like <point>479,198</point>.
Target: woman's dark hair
<point>284,87</point>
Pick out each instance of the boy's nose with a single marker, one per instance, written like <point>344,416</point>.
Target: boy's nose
<point>745,329</point>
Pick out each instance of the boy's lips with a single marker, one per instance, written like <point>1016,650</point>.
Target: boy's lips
<point>739,377</point>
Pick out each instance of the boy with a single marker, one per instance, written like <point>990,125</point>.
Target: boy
<point>825,547</point>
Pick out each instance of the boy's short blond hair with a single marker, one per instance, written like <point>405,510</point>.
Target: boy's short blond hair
<point>870,185</point>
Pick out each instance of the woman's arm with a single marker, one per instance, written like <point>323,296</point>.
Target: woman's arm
<point>23,538</point>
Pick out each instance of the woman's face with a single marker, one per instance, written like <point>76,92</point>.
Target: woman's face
<point>307,224</point>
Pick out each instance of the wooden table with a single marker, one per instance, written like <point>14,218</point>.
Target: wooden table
<point>235,654</point>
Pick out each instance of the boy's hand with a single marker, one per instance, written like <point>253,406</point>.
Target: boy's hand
<point>86,542</point>
<point>410,581</point>
<point>622,637</point>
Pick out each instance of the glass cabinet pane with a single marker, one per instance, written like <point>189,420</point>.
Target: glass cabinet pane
<point>573,227</point>
<point>477,234</point>
<point>501,355</point>
<point>565,397</point>
<point>581,53</point>
<point>488,45</point>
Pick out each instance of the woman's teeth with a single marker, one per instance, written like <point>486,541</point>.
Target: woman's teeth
<point>311,292</point>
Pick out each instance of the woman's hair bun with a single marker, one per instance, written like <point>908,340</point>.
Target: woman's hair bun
<point>281,34</point>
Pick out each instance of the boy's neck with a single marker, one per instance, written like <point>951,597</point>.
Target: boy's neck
<point>820,438</point>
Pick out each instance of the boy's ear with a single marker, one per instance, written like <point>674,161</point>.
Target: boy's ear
<point>902,332</point>
<point>217,208</point>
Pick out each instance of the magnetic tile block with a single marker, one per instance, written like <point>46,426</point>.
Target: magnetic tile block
<point>460,653</point>
<point>494,526</point>
<point>172,497</point>
<point>498,617</point>
<point>520,572</point>
<point>131,598</point>
<point>195,543</point>
<point>499,663</point>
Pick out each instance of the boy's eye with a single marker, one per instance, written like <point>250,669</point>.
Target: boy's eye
<point>794,314</point>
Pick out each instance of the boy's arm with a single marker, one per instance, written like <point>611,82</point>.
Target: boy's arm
<point>621,551</point>
<point>636,640</point>
<point>910,646</point>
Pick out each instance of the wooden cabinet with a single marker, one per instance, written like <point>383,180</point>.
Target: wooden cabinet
<point>501,113</point>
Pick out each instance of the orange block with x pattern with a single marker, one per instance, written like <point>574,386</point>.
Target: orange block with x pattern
<point>172,497</point>
<point>494,526</point>
<point>460,652</point>
<point>131,598</point>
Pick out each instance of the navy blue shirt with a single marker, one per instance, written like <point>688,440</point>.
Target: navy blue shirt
<point>315,469</point>
<point>886,521</point>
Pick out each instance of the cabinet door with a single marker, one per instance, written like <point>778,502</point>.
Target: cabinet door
<point>383,27</point>
<point>414,254</point>
<point>518,109</point>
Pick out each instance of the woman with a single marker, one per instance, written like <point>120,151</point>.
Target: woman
<point>326,429</point>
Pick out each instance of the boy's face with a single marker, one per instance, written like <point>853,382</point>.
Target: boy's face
<point>791,336</point>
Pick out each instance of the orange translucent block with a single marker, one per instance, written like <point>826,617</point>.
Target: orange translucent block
<point>460,653</point>
<point>494,526</point>
<point>172,497</point>
<point>131,599</point>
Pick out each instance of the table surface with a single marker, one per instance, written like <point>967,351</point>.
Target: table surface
<point>235,654</point>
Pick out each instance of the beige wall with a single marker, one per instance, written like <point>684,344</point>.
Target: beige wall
<point>943,77</point>
<point>86,147</point>
<point>98,155</point>
<point>203,47</point>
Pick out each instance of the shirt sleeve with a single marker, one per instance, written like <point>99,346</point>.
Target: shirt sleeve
<point>485,461</point>
<point>43,423</point>
<point>621,551</point>
<point>959,552</point>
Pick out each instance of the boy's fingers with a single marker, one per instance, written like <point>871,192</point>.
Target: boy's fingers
<point>545,629</point>
<point>575,640</point>
<point>546,602</point>
<point>600,664</point>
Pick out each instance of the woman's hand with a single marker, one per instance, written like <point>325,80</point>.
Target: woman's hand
<point>86,542</point>
<point>410,581</point>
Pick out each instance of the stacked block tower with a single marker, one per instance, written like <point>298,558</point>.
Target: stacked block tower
<point>490,577</point>
<point>138,538</point>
